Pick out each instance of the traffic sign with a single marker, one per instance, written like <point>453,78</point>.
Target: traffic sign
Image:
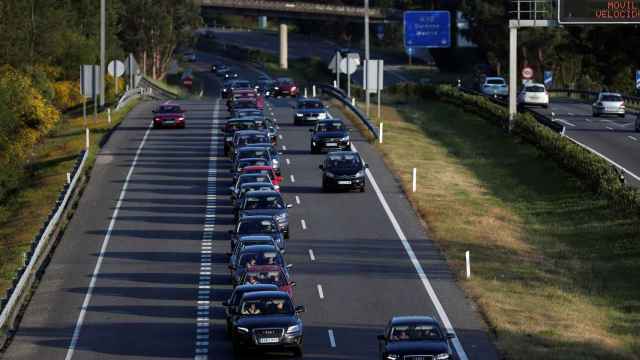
<point>428,29</point>
<point>638,79</point>
<point>527,73</point>
<point>380,31</point>
<point>598,12</point>
<point>548,78</point>
<point>116,68</point>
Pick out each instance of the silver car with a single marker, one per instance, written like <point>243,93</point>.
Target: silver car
<point>495,86</point>
<point>609,104</point>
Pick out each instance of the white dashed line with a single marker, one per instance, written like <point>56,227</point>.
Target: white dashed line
<point>320,292</point>
<point>564,122</point>
<point>609,128</point>
<point>632,138</point>
<point>332,339</point>
<point>304,224</point>
<point>288,161</point>
<point>297,199</point>
<point>587,120</point>
<point>293,179</point>
<point>284,147</point>
<point>312,256</point>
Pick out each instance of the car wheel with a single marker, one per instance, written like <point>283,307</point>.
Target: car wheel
<point>314,150</point>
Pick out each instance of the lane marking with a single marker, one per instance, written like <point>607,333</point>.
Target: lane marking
<point>332,339</point>
<point>297,199</point>
<point>288,161</point>
<point>312,256</point>
<point>632,138</point>
<point>284,147</point>
<point>609,127</point>
<point>571,114</point>
<point>105,243</point>
<point>564,122</point>
<point>280,136</point>
<point>587,120</point>
<point>320,292</point>
<point>293,179</point>
<point>462,355</point>
<point>606,158</point>
<point>304,224</point>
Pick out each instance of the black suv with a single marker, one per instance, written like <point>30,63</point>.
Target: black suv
<point>329,135</point>
<point>417,337</point>
<point>267,321</point>
<point>343,170</point>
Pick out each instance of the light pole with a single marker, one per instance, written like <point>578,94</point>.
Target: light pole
<point>103,49</point>
<point>366,53</point>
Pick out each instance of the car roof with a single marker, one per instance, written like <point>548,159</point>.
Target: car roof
<point>412,320</point>
<point>494,78</point>
<point>329,121</point>
<point>342,153</point>
<point>245,288</point>
<point>250,132</point>
<point>256,183</point>
<point>255,238</point>
<point>254,295</point>
<point>533,84</point>
<point>238,120</point>
<point>256,217</point>
<point>260,193</point>
<point>251,159</point>
<point>258,248</point>
<point>260,268</point>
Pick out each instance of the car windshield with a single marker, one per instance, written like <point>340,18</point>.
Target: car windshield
<point>250,112</point>
<point>253,139</point>
<point>246,243</point>
<point>243,125</point>
<point>248,259</point>
<point>331,126</point>
<point>265,277</point>
<point>285,81</point>
<point>534,89</point>
<point>495,81</point>
<point>254,177</point>
<point>266,306</point>
<point>253,153</point>
<point>244,104</point>
<point>310,105</point>
<point>251,162</point>
<point>253,226</point>
<point>263,202</point>
<point>415,333</point>
<point>343,161</point>
<point>169,109</point>
<point>613,98</point>
<point>242,84</point>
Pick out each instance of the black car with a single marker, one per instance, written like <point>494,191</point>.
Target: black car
<point>343,170</point>
<point>234,300</point>
<point>256,225</point>
<point>233,125</point>
<point>247,152</point>
<point>241,104</point>
<point>266,87</point>
<point>266,203</point>
<point>246,162</point>
<point>267,321</point>
<point>330,135</point>
<point>309,110</point>
<point>275,155</point>
<point>246,137</point>
<point>248,178</point>
<point>415,337</point>
<point>243,113</point>
<point>254,255</point>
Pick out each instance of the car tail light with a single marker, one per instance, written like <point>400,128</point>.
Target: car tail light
<point>181,118</point>
<point>156,119</point>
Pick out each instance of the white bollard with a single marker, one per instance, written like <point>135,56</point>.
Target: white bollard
<point>68,178</point>
<point>87,138</point>
<point>335,84</point>
<point>353,101</point>
<point>468,259</point>
<point>109,115</point>
<point>381,132</point>
<point>305,93</point>
<point>314,91</point>
<point>414,179</point>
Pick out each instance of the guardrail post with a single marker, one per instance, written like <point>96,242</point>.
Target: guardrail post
<point>414,180</point>
<point>335,84</point>
<point>109,115</point>
<point>314,91</point>
<point>353,101</point>
<point>68,178</point>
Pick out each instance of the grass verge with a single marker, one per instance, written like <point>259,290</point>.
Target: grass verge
<point>52,159</point>
<point>554,266</point>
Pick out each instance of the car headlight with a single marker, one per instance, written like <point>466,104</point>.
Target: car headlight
<point>276,88</point>
<point>392,357</point>
<point>346,138</point>
<point>313,143</point>
<point>275,162</point>
<point>295,329</point>
<point>228,138</point>
<point>360,173</point>
<point>242,330</point>
<point>442,356</point>
<point>322,116</point>
<point>299,114</point>
<point>329,175</point>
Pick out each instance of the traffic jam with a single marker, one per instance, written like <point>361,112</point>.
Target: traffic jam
<point>261,314</point>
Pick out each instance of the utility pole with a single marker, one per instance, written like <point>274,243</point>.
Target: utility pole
<point>366,53</point>
<point>103,49</point>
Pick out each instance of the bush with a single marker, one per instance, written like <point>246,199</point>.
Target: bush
<point>67,95</point>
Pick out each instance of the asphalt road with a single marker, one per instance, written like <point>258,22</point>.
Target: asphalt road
<point>141,270</point>
<point>610,136</point>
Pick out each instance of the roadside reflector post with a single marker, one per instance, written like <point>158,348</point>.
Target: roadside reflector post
<point>314,91</point>
<point>109,115</point>
<point>305,93</point>
<point>68,178</point>
<point>414,179</point>
<point>87,138</point>
<point>467,255</point>
<point>381,132</point>
<point>335,84</point>
<point>353,101</point>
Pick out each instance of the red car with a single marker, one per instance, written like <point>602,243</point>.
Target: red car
<point>269,274</point>
<point>268,170</point>
<point>286,87</point>
<point>169,115</point>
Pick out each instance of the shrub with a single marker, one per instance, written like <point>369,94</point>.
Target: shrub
<point>67,95</point>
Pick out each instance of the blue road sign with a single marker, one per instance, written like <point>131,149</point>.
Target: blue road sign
<point>638,79</point>
<point>380,31</point>
<point>548,78</point>
<point>428,29</point>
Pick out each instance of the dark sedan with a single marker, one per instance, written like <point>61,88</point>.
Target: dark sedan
<point>233,125</point>
<point>169,115</point>
<point>415,337</point>
<point>343,170</point>
<point>252,256</point>
<point>286,87</point>
<point>266,203</point>
<point>309,110</point>
<point>267,321</point>
<point>330,135</point>
<point>234,300</point>
<point>256,225</point>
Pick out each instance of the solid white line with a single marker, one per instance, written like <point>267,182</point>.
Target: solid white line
<point>332,339</point>
<point>293,179</point>
<point>462,355</point>
<point>320,292</point>
<point>564,122</point>
<point>606,158</point>
<point>312,255</point>
<point>304,224</point>
<point>632,138</point>
<point>105,243</point>
<point>297,199</point>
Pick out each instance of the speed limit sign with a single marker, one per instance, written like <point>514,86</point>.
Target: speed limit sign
<point>527,73</point>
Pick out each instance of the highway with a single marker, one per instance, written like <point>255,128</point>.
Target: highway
<point>141,270</point>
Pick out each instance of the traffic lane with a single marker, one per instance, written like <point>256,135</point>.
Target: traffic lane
<point>358,254</point>
<point>49,319</point>
<point>578,116</point>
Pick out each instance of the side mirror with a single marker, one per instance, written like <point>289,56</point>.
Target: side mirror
<point>289,206</point>
<point>381,338</point>
<point>451,336</point>
<point>321,167</point>
<point>292,284</point>
<point>300,309</point>
<point>289,266</point>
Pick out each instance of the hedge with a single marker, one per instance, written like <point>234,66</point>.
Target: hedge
<point>593,171</point>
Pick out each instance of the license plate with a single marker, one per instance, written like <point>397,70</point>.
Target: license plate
<point>269,340</point>
<point>170,122</point>
<point>344,182</point>
<point>331,144</point>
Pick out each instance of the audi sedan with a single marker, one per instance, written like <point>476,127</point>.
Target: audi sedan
<point>169,115</point>
<point>309,111</point>
<point>256,225</point>
<point>415,337</point>
<point>234,300</point>
<point>266,203</point>
<point>343,170</point>
<point>330,135</point>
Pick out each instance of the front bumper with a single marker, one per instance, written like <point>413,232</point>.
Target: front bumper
<point>330,144</point>
<point>344,182</point>
<point>251,342</point>
<point>169,123</point>
<point>609,111</point>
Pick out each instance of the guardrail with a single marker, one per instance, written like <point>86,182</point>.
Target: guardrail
<point>40,249</point>
<point>339,95</point>
<point>156,92</point>
<point>295,7</point>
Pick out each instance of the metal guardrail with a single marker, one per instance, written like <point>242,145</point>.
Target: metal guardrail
<point>295,7</point>
<point>154,91</point>
<point>342,97</point>
<point>39,251</point>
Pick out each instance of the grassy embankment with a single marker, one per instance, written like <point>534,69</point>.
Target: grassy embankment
<point>554,266</point>
<point>27,210</point>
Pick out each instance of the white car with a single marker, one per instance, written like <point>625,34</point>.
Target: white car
<point>534,94</point>
<point>495,86</point>
<point>609,104</point>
